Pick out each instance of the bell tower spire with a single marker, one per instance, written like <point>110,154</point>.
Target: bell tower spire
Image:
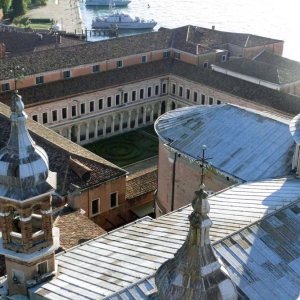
<point>27,241</point>
<point>194,272</point>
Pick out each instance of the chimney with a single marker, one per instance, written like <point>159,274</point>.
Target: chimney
<point>213,27</point>
<point>81,170</point>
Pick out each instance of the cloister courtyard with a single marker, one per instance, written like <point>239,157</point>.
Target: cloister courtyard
<point>128,148</point>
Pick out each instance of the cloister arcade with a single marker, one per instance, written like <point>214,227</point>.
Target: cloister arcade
<point>92,128</point>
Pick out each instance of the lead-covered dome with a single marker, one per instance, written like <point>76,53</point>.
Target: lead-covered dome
<point>24,166</point>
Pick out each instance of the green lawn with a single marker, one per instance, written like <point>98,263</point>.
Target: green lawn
<point>127,148</point>
<point>43,26</point>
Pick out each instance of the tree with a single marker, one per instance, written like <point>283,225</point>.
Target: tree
<point>19,7</point>
<point>5,4</point>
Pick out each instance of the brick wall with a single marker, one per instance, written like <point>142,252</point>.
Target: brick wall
<point>186,179</point>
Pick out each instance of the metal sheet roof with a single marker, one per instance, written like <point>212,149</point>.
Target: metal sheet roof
<point>264,258</point>
<point>244,143</point>
<point>124,260</point>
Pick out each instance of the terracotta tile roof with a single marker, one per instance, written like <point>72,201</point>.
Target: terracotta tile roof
<point>249,91</point>
<point>67,57</point>
<point>91,82</point>
<point>59,151</point>
<point>267,66</point>
<point>212,38</point>
<point>19,42</point>
<point>183,38</point>
<point>252,68</point>
<point>141,183</point>
<point>75,228</point>
<point>288,70</point>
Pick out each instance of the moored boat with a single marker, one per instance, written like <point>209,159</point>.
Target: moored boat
<point>107,2</point>
<point>122,21</point>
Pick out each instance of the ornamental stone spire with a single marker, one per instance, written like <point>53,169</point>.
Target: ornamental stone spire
<point>28,239</point>
<point>24,166</point>
<point>194,272</point>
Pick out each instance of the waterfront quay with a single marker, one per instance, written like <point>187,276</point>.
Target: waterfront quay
<point>65,12</point>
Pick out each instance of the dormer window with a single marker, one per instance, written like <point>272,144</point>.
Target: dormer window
<point>205,65</point>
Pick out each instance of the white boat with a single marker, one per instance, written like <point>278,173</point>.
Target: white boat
<point>122,21</point>
<point>107,2</point>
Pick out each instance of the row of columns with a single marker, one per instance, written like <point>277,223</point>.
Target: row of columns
<point>74,131</point>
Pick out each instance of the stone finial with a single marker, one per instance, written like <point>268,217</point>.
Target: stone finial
<point>17,105</point>
<point>194,272</point>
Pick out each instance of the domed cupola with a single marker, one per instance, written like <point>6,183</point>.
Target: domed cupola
<point>24,166</point>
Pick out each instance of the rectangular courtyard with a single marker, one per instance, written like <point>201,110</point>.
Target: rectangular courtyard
<point>128,148</point>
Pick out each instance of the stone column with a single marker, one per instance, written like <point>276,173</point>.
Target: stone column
<point>87,131</point>
<point>168,106</point>
<point>78,133</point>
<point>159,110</point>
<point>6,223</point>
<point>46,212</point>
<point>69,133</point>
<point>104,126</point>
<point>26,228</point>
<point>121,121</point>
<point>113,124</point>
<point>136,121</point>
<point>144,115</point>
<point>96,128</point>
<point>129,119</point>
<point>152,113</point>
